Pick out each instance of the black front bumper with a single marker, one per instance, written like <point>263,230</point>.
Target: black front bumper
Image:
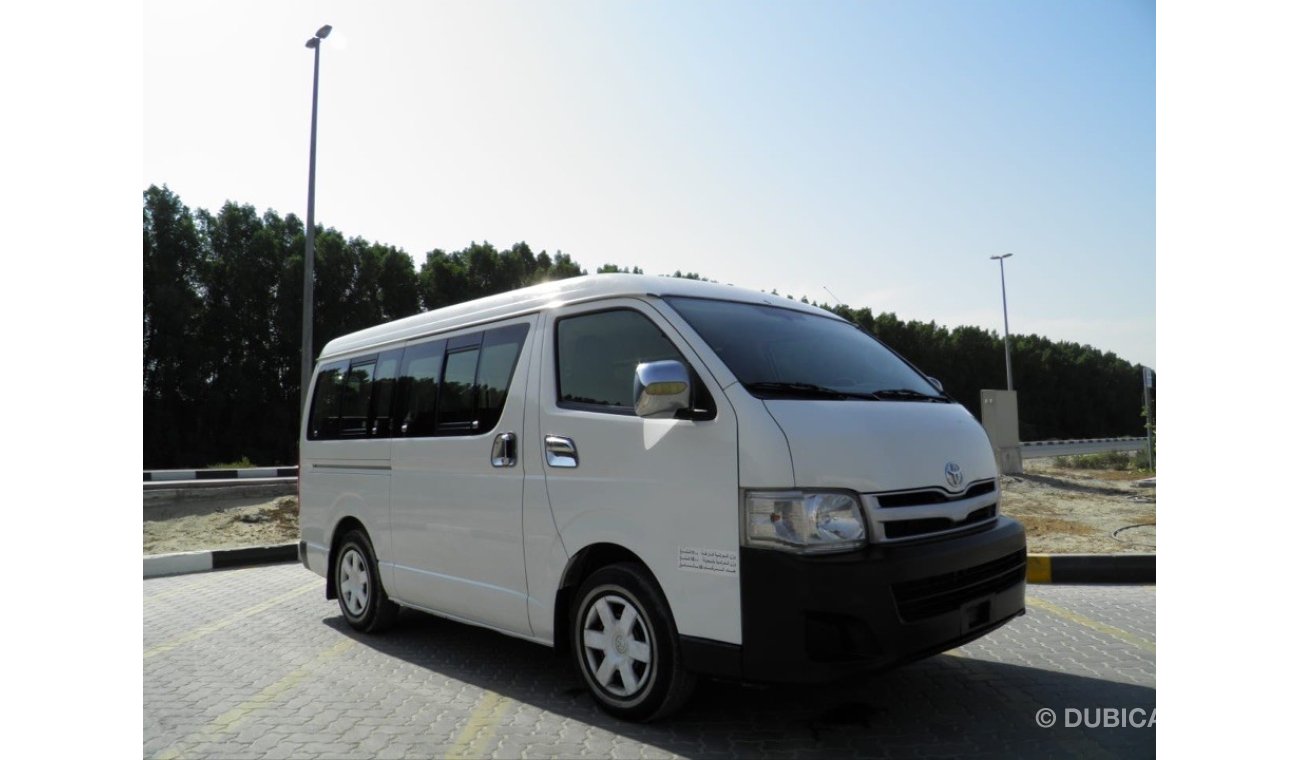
<point>816,619</point>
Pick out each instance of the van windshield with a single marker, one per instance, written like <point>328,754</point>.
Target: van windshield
<point>783,353</point>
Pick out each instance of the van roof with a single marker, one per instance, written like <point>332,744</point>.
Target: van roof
<point>549,295</point>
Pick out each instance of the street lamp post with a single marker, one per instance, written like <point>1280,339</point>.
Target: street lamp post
<point>1006,327</point>
<point>309,259</point>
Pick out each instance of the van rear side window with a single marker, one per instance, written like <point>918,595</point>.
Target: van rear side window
<point>456,396</point>
<point>354,400</point>
<point>457,386</point>
<point>324,421</point>
<point>441,387</point>
<point>418,386</point>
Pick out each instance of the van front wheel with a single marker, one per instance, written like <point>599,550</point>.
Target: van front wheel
<point>625,645</point>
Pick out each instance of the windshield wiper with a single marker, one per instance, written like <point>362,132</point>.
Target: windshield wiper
<point>908,394</point>
<point>807,389</point>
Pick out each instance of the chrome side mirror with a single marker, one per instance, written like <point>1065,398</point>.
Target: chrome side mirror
<point>935,382</point>
<point>661,388</point>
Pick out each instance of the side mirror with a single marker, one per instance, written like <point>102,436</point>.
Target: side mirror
<point>661,388</point>
<point>935,382</point>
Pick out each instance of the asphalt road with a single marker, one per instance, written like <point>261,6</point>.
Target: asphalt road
<point>256,663</point>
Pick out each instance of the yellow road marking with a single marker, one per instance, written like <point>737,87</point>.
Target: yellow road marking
<point>1109,630</point>
<point>204,630</point>
<point>228,720</point>
<point>480,728</point>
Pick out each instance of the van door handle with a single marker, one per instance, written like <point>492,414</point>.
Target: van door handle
<point>503,450</point>
<point>561,451</point>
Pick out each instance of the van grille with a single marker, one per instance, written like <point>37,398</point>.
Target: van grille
<point>908,528</point>
<point>926,597</point>
<point>933,496</point>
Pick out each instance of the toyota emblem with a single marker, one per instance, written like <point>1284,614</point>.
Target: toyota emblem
<point>952,472</point>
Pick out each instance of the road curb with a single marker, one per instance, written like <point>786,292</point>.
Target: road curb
<point>158,565</point>
<point>1091,568</point>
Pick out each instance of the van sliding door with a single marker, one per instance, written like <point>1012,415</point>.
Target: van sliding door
<point>457,488</point>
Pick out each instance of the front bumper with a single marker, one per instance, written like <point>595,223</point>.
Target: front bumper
<point>816,619</point>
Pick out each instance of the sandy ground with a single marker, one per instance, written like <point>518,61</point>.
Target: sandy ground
<point>1063,511</point>
<point>1067,511</point>
<point>223,523</point>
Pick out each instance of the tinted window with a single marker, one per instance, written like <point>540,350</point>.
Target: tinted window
<point>767,347</point>
<point>324,420</point>
<point>496,365</point>
<point>381,397</point>
<point>418,388</point>
<point>354,400</point>
<point>597,356</point>
<point>456,386</point>
<point>456,402</point>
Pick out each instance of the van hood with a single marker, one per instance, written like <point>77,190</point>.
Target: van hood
<point>874,446</point>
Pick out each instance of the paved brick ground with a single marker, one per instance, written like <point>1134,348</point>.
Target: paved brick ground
<point>256,663</point>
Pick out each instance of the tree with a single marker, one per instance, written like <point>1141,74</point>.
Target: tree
<point>172,307</point>
<point>222,331</point>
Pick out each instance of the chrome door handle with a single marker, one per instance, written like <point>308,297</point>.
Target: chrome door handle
<point>561,451</point>
<point>503,450</point>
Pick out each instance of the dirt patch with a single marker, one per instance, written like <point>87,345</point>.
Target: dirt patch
<point>1067,511</point>
<point>1063,511</point>
<point>221,524</point>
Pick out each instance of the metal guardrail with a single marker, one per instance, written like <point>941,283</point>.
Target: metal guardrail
<point>151,476</point>
<point>1041,449</point>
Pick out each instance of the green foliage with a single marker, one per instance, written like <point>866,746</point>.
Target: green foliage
<point>1065,390</point>
<point>689,276</point>
<point>480,270</point>
<point>1105,460</point>
<point>222,332</point>
<point>223,318</point>
<point>242,463</point>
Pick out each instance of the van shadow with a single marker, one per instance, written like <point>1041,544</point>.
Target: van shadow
<point>946,705</point>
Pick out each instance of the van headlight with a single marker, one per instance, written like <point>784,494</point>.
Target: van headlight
<point>804,522</point>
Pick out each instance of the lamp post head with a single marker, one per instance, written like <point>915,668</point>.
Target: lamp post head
<point>324,31</point>
<point>1003,256</point>
<point>313,42</point>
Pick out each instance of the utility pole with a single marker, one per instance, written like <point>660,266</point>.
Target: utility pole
<point>1148,379</point>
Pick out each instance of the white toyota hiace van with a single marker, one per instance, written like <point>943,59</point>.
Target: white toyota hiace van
<point>665,478</point>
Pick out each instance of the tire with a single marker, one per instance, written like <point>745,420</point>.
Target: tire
<point>361,593</point>
<point>637,674</point>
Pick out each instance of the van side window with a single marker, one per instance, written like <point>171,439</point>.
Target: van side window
<point>597,354</point>
<point>418,386</point>
<point>379,421</point>
<point>456,386</point>
<point>324,421</point>
<point>496,365</point>
<point>456,396</point>
<point>354,399</point>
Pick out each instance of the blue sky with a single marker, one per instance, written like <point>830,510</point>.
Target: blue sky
<point>883,150</point>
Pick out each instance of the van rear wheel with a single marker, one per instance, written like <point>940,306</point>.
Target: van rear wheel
<point>356,579</point>
<point>625,645</point>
